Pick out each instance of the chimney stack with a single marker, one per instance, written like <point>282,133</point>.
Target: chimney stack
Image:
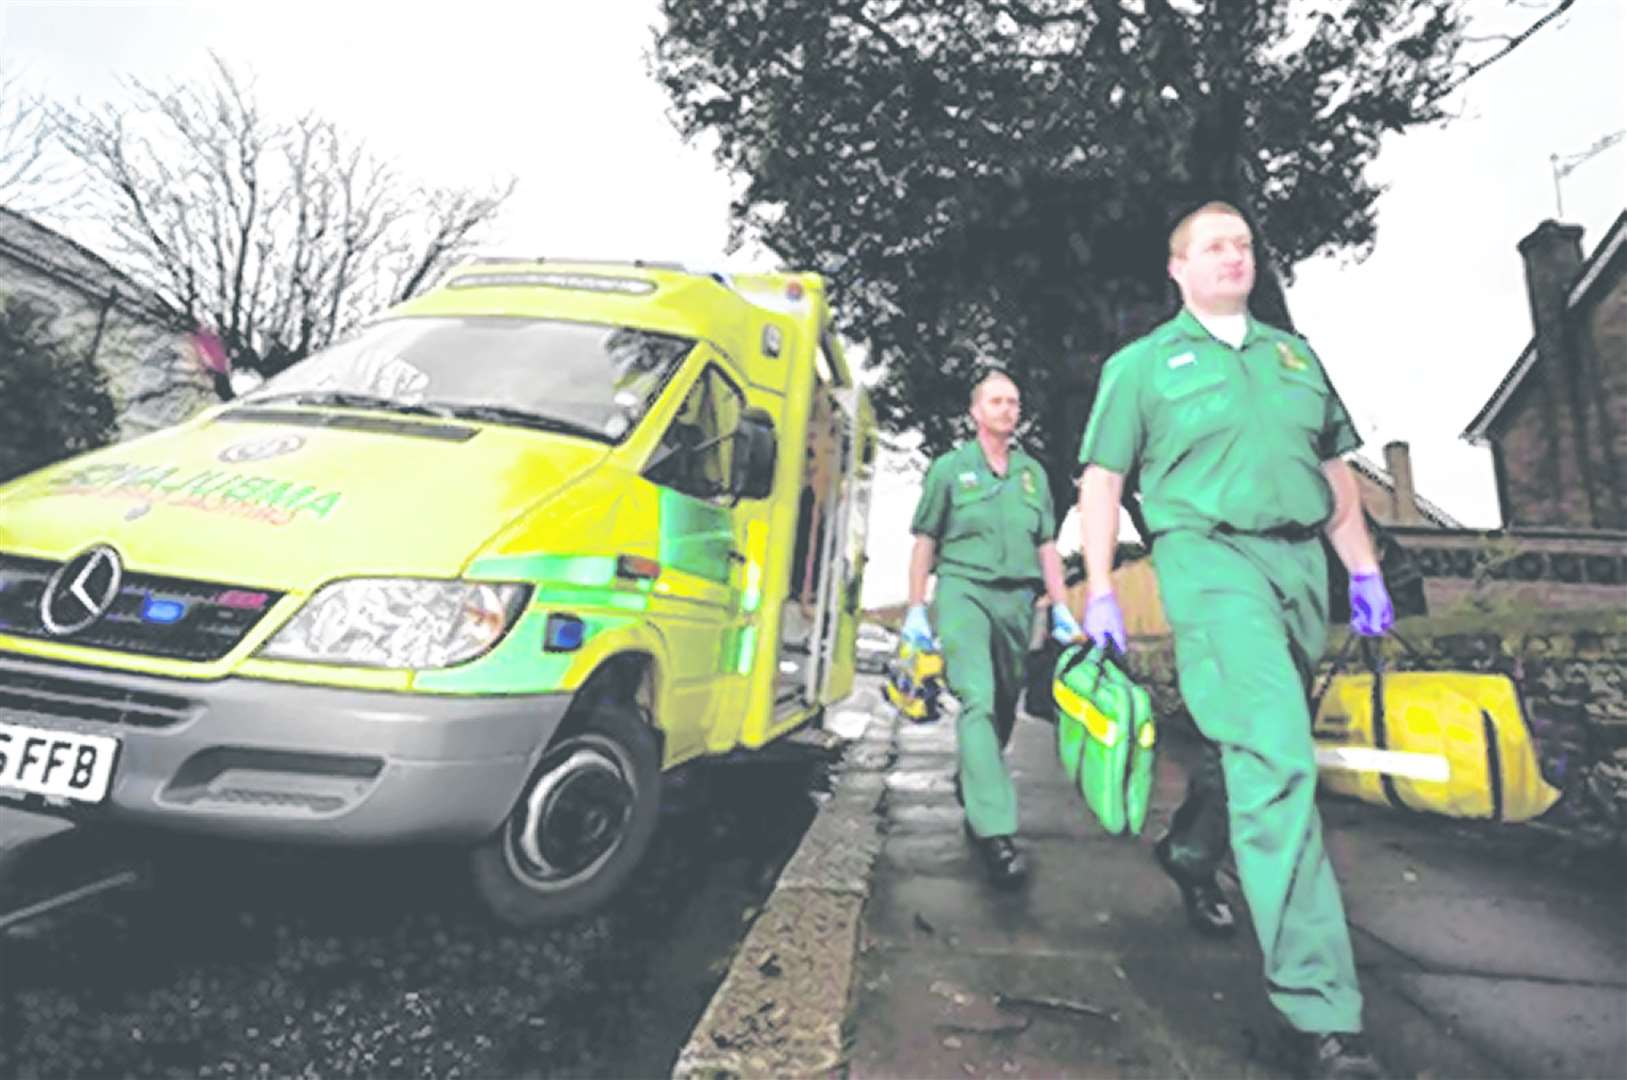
<point>1553,257</point>
<point>1398,462</point>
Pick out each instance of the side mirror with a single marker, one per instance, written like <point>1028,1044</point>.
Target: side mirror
<point>754,454</point>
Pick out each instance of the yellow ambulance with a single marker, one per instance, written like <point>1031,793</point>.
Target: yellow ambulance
<point>479,574</point>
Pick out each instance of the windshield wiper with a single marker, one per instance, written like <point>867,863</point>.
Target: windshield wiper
<point>347,400</point>
<point>508,414</point>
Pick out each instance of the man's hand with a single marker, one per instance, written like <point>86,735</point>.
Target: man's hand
<point>918,629</point>
<point>1104,622</point>
<point>1063,625</point>
<point>1371,613</point>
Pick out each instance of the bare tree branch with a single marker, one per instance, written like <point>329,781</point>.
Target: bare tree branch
<point>1512,42</point>
<point>279,234</point>
<point>460,213</point>
<point>32,178</point>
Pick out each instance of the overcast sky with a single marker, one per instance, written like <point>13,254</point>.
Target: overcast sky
<point>556,94</point>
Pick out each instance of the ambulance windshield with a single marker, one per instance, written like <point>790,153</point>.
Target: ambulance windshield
<point>587,378</point>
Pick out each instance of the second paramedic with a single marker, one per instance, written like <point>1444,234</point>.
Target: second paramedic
<point>985,522</point>
<point>1237,438</point>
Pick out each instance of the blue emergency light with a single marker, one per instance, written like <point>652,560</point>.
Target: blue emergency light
<point>156,610</point>
<point>564,633</point>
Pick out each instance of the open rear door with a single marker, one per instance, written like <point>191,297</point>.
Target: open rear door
<point>840,606</point>
<point>804,622</point>
<point>834,571</point>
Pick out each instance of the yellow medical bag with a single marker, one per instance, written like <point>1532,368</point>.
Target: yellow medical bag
<point>914,683</point>
<point>1442,742</point>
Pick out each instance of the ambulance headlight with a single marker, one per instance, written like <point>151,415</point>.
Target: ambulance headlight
<point>398,623</point>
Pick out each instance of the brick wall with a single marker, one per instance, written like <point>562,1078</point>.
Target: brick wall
<point>1454,595</point>
<point>1539,441</point>
<point>1561,439</point>
<point>1375,499</point>
<point>1467,571</point>
<point>1527,445</point>
<point>1604,353</point>
<point>1463,572</point>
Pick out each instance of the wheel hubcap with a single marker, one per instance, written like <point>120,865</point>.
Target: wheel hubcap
<point>574,814</point>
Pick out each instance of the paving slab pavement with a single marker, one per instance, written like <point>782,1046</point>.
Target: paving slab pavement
<point>1476,959</point>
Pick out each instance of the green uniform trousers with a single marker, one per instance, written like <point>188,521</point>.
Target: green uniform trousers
<point>1249,615</point>
<point>984,630</point>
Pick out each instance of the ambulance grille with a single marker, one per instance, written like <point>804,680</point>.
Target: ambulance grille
<point>209,618</point>
<point>34,696</point>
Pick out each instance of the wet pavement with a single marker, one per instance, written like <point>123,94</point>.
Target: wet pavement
<point>224,963</point>
<point>1484,950</point>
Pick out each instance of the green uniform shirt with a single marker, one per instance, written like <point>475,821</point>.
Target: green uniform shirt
<point>1217,435</point>
<point>987,527</point>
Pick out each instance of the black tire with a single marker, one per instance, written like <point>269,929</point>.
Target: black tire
<point>581,824</point>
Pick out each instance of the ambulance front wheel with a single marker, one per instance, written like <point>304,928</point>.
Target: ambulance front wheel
<point>580,825</point>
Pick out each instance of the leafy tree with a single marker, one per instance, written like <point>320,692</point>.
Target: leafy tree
<point>997,178</point>
<point>52,403</point>
<point>279,235</point>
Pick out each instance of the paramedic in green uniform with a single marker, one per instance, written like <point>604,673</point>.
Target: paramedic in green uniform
<point>1235,436</point>
<point>985,520</point>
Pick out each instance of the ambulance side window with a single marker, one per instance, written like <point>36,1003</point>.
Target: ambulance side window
<point>696,455</point>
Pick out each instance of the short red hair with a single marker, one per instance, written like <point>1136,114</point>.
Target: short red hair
<point>1179,236</point>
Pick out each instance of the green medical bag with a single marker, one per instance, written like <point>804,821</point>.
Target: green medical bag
<point>1105,736</point>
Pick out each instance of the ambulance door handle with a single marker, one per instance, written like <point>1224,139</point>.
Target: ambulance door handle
<point>737,556</point>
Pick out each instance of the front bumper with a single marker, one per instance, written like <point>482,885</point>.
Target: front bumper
<point>263,760</point>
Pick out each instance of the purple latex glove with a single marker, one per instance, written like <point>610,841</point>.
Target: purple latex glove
<point>1371,613</point>
<point>1104,622</point>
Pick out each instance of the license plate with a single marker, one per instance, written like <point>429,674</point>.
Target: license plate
<point>59,764</point>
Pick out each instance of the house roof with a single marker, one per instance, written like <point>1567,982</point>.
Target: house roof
<point>1431,513</point>
<point>48,252</point>
<point>1609,253</point>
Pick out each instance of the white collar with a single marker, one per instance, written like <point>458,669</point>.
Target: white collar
<point>1231,329</point>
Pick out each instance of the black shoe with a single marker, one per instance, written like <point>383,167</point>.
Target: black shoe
<point>1337,1056</point>
<point>1004,864</point>
<point>1207,908</point>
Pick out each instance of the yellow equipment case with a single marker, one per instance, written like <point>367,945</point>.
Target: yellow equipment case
<point>914,683</point>
<point>1444,742</point>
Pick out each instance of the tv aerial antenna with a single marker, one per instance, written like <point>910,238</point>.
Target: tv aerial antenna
<point>1565,164</point>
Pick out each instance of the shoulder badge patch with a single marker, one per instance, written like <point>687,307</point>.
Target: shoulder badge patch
<point>968,479</point>
<point>1291,359</point>
<point>1028,481</point>
<point>1182,360</point>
